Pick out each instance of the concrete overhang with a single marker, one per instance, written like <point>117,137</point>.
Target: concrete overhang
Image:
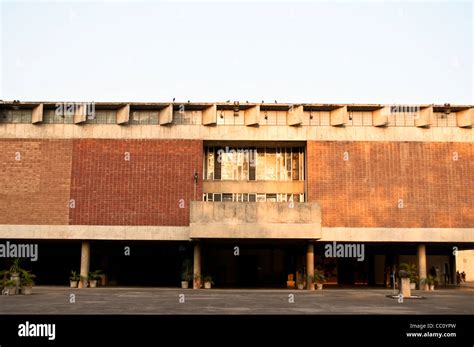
<point>255,220</point>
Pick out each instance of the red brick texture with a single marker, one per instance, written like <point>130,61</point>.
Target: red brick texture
<point>106,188</point>
<point>148,189</point>
<point>35,188</point>
<point>364,191</point>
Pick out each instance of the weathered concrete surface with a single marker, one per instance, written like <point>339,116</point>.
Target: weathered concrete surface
<point>275,220</point>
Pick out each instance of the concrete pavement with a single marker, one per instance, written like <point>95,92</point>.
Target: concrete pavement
<point>115,300</point>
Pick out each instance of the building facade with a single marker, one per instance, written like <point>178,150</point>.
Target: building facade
<point>247,193</point>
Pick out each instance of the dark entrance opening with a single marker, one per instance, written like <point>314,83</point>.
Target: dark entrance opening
<point>252,264</point>
<point>141,263</point>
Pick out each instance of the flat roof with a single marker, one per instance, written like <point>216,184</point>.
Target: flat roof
<point>230,105</point>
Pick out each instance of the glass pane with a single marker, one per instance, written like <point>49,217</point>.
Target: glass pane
<point>271,198</point>
<point>288,163</point>
<point>252,164</point>
<point>261,164</point>
<point>227,166</point>
<point>260,197</point>
<point>227,197</point>
<point>270,163</point>
<point>217,165</point>
<point>210,163</point>
<point>295,165</point>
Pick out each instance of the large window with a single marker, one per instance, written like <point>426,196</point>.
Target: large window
<point>15,116</point>
<point>257,163</point>
<point>253,197</point>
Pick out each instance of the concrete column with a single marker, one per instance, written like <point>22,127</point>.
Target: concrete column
<point>85,260</point>
<point>309,265</point>
<point>421,262</point>
<point>452,267</point>
<point>197,266</point>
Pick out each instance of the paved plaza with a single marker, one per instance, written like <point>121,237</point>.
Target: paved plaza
<point>115,300</point>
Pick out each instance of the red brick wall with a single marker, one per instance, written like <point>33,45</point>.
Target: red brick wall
<point>437,192</point>
<point>34,189</point>
<point>146,190</point>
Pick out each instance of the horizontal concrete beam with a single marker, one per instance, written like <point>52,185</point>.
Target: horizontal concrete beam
<point>243,133</point>
<point>460,235</point>
<point>94,232</point>
<point>266,230</point>
<point>250,231</point>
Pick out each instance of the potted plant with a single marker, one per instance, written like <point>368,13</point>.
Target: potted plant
<point>412,274</point>
<point>319,279</point>
<point>15,270</point>
<point>208,282</point>
<point>430,282</point>
<point>93,277</point>
<point>185,278</point>
<point>10,287</point>
<point>197,281</point>
<point>300,283</point>
<point>27,282</point>
<point>186,274</point>
<point>74,279</point>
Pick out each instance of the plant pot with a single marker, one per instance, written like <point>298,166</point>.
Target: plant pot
<point>26,290</point>
<point>412,285</point>
<point>300,286</point>
<point>93,283</point>
<point>431,287</point>
<point>73,284</point>
<point>311,286</point>
<point>319,286</point>
<point>207,285</point>
<point>184,284</point>
<point>83,284</point>
<point>10,290</point>
<point>197,284</point>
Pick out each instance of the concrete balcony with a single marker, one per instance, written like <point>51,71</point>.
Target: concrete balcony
<point>255,220</point>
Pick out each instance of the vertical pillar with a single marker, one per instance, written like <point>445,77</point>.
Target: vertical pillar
<point>85,260</point>
<point>421,262</point>
<point>452,267</point>
<point>309,265</point>
<point>197,266</point>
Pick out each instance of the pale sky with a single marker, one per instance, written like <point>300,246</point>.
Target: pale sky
<point>354,52</point>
